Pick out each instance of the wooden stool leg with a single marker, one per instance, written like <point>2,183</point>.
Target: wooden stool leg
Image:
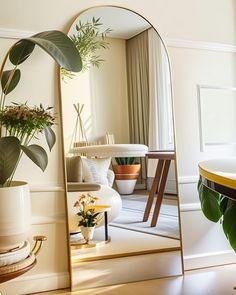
<point>154,189</point>
<point>160,193</point>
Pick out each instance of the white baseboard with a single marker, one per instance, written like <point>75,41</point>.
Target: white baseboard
<point>188,179</point>
<point>27,284</point>
<point>209,259</point>
<point>190,207</point>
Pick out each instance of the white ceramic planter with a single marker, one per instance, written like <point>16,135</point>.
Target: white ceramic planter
<point>15,215</point>
<point>125,187</point>
<point>87,232</point>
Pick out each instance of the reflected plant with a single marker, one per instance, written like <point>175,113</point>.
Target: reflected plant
<point>88,39</point>
<point>125,160</point>
<point>88,217</point>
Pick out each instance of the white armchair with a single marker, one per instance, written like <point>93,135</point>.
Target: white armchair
<point>90,175</point>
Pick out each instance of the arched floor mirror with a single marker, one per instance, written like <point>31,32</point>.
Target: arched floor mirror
<point>122,98</point>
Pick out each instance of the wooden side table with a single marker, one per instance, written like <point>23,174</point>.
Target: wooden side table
<point>159,182</point>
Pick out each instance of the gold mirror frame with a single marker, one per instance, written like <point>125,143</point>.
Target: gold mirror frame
<point>63,149</point>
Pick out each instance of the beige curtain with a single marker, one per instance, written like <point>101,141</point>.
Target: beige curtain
<point>138,90</point>
<point>138,87</point>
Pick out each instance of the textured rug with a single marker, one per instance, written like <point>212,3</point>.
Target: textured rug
<point>131,216</point>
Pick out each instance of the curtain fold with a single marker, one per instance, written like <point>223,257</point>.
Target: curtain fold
<point>138,91</point>
<point>160,100</point>
<point>138,87</point>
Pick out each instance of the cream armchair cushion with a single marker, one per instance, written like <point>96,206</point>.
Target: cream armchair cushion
<point>88,170</point>
<point>96,170</point>
<point>74,169</point>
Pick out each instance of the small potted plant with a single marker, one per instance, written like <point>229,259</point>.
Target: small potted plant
<point>88,217</point>
<point>126,174</point>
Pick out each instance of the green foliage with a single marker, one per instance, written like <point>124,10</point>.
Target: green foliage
<point>20,123</point>
<point>55,43</point>
<point>9,156</point>
<point>210,203</point>
<point>217,207</point>
<point>125,160</point>
<point>9,80</point>
<point>88,39</point>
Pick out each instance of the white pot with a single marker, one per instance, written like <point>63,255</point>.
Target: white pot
<point>15,215</point>
<point>125,186</point>
<point>87,232</point>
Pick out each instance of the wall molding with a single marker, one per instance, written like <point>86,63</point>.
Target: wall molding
<point>40,188</point>
<point>209,259</point>
<point>14,34</point>
<point>36,283</point>
<point>170,42</point>
<point>202,127</point>
<point>202,45</point>
<point>39,220</point>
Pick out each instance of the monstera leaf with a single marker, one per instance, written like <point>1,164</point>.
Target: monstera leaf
<point>210,203</point>
<point>229,224</point>
<point>9,155</point>
<point>219,207</point>
<point>55,43</point>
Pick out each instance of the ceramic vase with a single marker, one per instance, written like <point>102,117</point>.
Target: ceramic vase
<point>126,177</point>
<point>87,232</point>
<point>15,215</point>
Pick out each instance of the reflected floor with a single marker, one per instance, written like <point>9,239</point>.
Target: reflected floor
<point>130,236</point>
<point>131,216</point>
<point>124,243</point>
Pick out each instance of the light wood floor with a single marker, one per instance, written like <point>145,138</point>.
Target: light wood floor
<point>208,281</point>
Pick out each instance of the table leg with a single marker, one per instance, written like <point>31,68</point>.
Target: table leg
<point>106,225</point>
<point>160,192</point>
<point>154,189</point>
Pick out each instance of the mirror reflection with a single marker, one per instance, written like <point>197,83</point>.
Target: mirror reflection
<point>120,158</point>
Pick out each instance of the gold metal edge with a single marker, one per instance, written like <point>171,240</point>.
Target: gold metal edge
<point>175,148</point>
<point>122,255</point>
<point>217,178</point>
<point>63,155</point>
<point>93,244</point>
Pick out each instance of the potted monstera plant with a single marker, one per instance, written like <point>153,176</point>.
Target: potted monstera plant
<point>219,208</point>
<point>19,125</point>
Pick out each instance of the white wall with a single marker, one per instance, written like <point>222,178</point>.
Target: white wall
<point>190,68</point>
<point>204,23</point>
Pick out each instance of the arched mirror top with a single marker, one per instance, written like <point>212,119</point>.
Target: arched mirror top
<point>104,85</point>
